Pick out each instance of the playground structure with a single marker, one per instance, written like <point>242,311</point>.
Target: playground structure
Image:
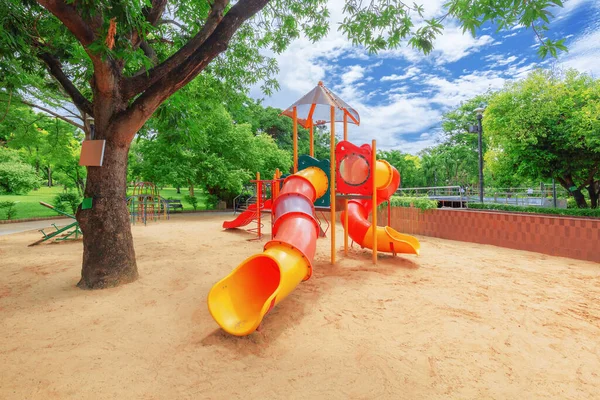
<point>68,232</point>
<point>254,211</point>
<point>146,204</point>
<point>353,175</point>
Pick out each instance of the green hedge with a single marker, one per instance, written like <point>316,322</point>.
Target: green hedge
<point>577,212</point>
<point>422,203</point>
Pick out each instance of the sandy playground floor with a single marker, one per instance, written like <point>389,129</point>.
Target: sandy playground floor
<point>461,321</point>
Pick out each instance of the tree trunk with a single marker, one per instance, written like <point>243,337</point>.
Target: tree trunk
<point>594,192</point>
<point>49,176</point>
<point>568,183</point>
<point>191,190</point>
<point>78,181</point>
<point>178,190</point>
<point>579,199</point>
<point>108,253</point>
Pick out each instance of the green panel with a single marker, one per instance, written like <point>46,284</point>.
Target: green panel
<point>305,161</point>
<point>86,204</point>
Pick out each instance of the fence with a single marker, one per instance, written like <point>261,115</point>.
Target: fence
<point>553,235</point>
<point>459,197</point>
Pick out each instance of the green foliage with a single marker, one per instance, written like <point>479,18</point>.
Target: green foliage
<point>379,25</point>
<point>407,166</point>
<point>193,200</point>
<point>207,149</point>
<point>546,126</point>
<point>421,203</point>
<point>50,145</point>
<point>16,177</point>
<point>10,209</point>
<point>67,202</point>
<point>577,212</point>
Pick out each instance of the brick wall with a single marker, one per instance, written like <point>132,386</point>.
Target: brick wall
<point>577,238</point>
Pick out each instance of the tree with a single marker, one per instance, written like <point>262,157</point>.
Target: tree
<point>103,56</point>
<point>547,126</point>
<point>408,165</point>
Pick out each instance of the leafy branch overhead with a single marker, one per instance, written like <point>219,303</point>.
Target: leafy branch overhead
<point>156,43</point>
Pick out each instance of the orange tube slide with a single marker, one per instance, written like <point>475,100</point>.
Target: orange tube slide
<point>360,229</point>
<point>240,301</point>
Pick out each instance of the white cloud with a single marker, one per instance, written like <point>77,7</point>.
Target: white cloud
<point>583,54</point>
<point>412,100</point>
<point>410,72</point>
<point>354,73</point>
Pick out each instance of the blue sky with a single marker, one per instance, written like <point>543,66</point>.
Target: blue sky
<point>402,94</point>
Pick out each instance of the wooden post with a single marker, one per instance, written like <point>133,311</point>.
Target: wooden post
<point>389,210</point>
<point>346,200</point>
<point>295,139</point>
<point>332,183</point>
<point>312,141</point>
<point>373,168</point>
<point>258,198</point>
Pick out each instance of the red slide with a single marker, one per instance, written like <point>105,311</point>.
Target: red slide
<point>247,216</point>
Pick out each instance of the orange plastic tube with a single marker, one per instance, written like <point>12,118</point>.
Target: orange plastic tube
<point>360,229</point>
<point>240,301</point>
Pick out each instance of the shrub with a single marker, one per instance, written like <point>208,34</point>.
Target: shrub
<point>577,212</point>
<point>67,202</point>
<point>10,206</point>
<point>193,200</point>
<point>422,203</point>
<point>17,178</point>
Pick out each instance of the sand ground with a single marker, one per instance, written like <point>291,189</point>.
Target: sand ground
<point>461,321</point>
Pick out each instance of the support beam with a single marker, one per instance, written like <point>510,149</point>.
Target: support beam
<point>346,200</point>
<point>332,183</point>
<point>312,141</point>
<point>374,211</point>
<point>295,139</point>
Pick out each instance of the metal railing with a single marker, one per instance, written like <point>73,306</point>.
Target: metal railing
<point>457,196</point>
<point>453,196</point>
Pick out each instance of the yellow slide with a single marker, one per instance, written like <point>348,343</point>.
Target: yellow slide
<point>240,301</point>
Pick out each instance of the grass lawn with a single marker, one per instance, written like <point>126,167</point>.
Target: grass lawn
<point>28,205</point>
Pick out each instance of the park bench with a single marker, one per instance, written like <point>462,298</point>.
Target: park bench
<point>174,204</point>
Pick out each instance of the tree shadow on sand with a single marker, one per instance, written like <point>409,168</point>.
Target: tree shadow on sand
<point>286,316</point>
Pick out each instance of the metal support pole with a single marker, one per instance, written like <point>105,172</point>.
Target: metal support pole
<point>480,133</point>
<point>373,162</point>
<point>295,139</point>
<point>312,141</point>
<point>345,200</point>
<point>554,199</point>
<point>258,199</point>
<point>332,183</point>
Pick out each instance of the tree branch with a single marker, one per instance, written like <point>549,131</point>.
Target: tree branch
<point>140,82</point>
<point>55,70</point>
<point>154,13</point>
<point>181,73</point>
<point>52,113</point>
<point>69,16</point>
<point>173,22</point>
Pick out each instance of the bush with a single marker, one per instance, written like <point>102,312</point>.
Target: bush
<point>576,212</point>
<point>17,178</point>
<point>211,201</point>
<point>193,200</point>
<point>10,206</point>
<point>67,202</point>
<point>422,203</point>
